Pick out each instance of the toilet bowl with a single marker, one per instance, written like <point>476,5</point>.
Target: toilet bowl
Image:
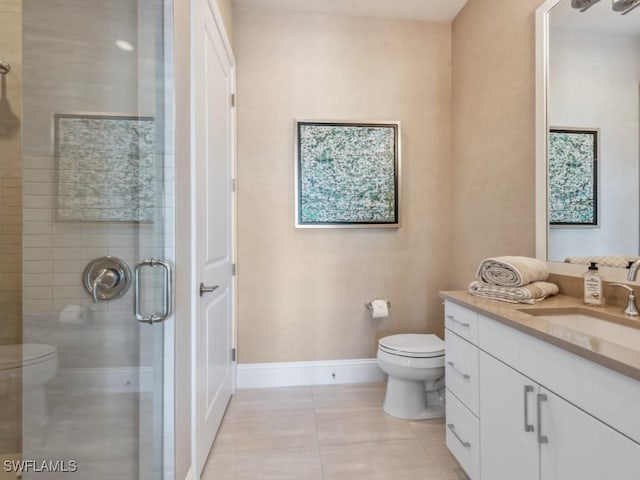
<point>25,369</point>
<point>414,364</point>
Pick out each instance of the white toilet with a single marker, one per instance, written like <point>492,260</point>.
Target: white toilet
<point>25,369</point>
<point>415,366</point>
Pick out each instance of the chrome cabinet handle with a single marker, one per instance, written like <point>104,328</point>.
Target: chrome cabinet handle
<point>466,376</point>
<point>455,320</point>
<point>527,389</point>
<point>167,292</point>
<point>541,398</point>
<point>452,427</point>
<point>204,289</point>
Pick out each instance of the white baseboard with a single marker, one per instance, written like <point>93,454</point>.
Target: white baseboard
<point>289,374</point>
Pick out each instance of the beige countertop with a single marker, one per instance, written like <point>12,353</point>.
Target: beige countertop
<point>620,358</point>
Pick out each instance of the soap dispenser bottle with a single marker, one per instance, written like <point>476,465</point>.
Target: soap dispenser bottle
<point>593,286</point>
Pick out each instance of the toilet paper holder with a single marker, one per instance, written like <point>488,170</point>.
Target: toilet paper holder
<point>368,306</point>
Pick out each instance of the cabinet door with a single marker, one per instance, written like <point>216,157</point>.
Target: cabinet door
<point>581,447</point>
<point>509,448</point>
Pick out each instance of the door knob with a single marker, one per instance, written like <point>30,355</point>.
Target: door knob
<point>205,289</point>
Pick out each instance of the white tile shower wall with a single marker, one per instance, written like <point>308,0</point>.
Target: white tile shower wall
<point>56,254</point>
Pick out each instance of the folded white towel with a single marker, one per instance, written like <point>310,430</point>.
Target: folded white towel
<point>533,293</point>
<point>512,271</point>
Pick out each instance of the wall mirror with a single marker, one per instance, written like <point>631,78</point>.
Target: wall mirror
<point>588,80</point>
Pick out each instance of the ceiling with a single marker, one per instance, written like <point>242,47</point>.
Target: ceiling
<point>429,10</point>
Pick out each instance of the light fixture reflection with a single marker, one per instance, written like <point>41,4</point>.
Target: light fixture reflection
<point>124,45</point>
<point>583,5</point>
<point>624,6</point>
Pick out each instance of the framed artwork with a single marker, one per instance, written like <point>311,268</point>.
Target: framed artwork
<point>347,174</point>
<point>106,168</point>
<point>573,176</point>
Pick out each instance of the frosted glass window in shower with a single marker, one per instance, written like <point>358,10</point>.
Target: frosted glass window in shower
<point>105,168</point>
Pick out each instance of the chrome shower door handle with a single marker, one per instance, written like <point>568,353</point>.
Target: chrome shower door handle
<point>167,292</point>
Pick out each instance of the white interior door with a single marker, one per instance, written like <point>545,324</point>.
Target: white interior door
<point>213,86</point>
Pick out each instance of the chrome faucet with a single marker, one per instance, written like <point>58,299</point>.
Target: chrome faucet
<point>631,309</point>
<point>633,270</point>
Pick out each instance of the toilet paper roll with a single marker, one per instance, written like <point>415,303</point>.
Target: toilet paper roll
<point>379,308</point>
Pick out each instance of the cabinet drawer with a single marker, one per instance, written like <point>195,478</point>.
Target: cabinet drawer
<point>463,436</point>
<point>461,370</point>
<point>462,321</point>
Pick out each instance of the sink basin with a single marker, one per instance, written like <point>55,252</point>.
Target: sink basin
<point>581,325</point>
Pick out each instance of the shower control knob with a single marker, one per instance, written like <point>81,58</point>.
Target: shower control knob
<point>106,278</point>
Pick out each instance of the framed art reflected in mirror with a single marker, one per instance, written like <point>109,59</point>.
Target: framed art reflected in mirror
<point>573,177</point>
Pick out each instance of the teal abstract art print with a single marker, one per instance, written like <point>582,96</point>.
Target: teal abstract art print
<point>573,177</point>
<point>347,174</point>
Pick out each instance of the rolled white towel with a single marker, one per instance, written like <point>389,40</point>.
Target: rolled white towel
<point>512,271</point>
<point>616,261</point>
<point>532,293</point>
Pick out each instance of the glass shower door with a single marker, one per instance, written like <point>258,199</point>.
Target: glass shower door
<point>97,203</point>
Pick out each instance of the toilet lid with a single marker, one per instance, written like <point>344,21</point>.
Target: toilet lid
<point>412,345</point>
<point>16,356</point>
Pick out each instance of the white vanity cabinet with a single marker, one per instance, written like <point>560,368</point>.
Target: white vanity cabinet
<point>543,413</point>
<point>529,433</point>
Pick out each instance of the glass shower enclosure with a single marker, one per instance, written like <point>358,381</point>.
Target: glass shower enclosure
<point>86,223</point>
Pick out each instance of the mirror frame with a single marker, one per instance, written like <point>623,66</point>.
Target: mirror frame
<point>541,139</point>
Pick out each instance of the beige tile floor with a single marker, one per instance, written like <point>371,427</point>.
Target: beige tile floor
<point>326,433</point>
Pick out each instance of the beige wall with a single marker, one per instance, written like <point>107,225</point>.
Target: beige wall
<point>493,133</point>
<point>301,292</point>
